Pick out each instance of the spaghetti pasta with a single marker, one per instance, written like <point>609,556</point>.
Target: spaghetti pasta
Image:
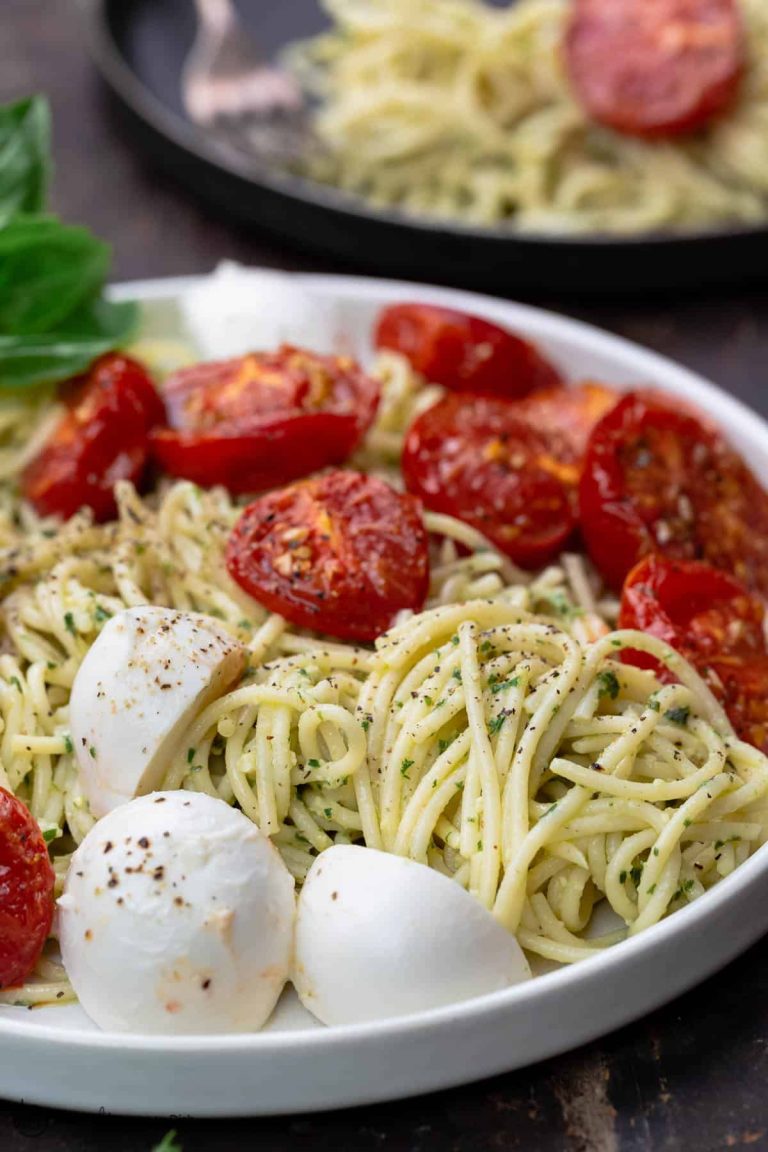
<point>457,109</point>
<point>495,736</point>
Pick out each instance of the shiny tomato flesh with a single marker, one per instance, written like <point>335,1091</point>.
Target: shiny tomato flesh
<point>340,553</point>
<point>464,353</point>
<point>565,417</point>
<point>508,468</point>
<point>655,67</point>
<point>264,419</point>
<point>26,891</point>
<point>658,478</point>
<point>715,622</point>
<point>103,437</point>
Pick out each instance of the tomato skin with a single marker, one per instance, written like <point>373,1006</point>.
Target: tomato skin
<point>26,891</point>
<point>340,553</point>
<point>464,353</point>
<point>698,610</point>
<point>655,67</point>
<point>103,437</point>
<point>660,479</point>
<point>263,419</point>
<point>565,417</point>
<point>479,460</point>
<point>741,684</point>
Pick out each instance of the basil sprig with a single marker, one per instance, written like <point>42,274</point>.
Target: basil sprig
<point>54,319</point>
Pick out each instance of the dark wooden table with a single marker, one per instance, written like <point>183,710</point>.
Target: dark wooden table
<point>692,1077</point>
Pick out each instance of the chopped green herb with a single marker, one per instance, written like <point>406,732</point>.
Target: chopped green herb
<point>406,764</point>
<point>457,674</point>
<point>16,683</point>
<point>100,614</point>
<point>652,889</point>
<point>305,673</point>
<point>190,755</point>
<point>678,715</point>
<point>616,643</point>
<point>622,876</point>
<point>636,872</point>
<point>51,834</point>
<point>428,700</point>
<point>486,647</point>
<point>454,640</point>
<point>655,851</point>
<point>69,623</point>
<point>328,813</point>
<point>609,684</point>
<point>92,752</point>
<point>365,723</point>
<point>495,724</point>
<point>551,809</point>
<point>561,604</point>
<point>502,687</point>
<point>460,786</point>
<point>653,703</point>
<point>68,745</point>
<point>313,763</point>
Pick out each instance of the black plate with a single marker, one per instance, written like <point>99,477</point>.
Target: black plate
<point>140,46</point>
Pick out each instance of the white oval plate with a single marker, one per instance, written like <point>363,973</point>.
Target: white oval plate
<point>54,1056</point>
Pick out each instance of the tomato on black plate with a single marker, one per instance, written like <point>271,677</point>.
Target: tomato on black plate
<point>655,67</point>
<point>658,478</point>
<point>464,353</point>
<point>715,622</point>
<point>341,553</point>
<point>26,891</point>
<point>102,438</point>
<point>264,419</point>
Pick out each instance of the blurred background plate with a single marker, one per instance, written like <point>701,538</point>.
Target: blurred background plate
<point>140,46</point>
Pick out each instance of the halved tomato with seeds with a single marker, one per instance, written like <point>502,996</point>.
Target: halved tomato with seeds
<point>481,461</point>
<point>659,478</point>
<point>464,353</point>
<point>715,622</point>
<point>264,419</point>
<point>340,553</point>
<point>26,891</point>
<point>103,437</point>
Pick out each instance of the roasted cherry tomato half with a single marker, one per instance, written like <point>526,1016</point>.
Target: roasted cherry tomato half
<point>103,437</point>
<point>340,553</point>
<point>715,622</point>
<point>658,478</point>
<point>464,353</point>
<point>26,891</point>
<point>264,419</point>
<point>478,459</point>
<point>655,67</point>
<point>698,610</point>
<point>565,417</point>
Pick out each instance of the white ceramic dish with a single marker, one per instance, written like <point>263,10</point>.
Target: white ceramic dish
<point>54,1056</point>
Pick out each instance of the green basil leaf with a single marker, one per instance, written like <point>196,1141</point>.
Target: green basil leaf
<point>25,138</point>
<point>49,357</point>
<point>47,271</point>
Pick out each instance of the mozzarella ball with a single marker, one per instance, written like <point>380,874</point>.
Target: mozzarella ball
<point>177,917</point>
<point>380,936</point>
<point>147,675</point>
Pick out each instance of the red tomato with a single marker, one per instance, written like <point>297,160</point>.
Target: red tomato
<point>741,684</point>
<point>658,479</point>
<point>264,419</point>
<point>340,553</point>
<point>655,67</point>
<point>695,608</point>
<point>464,353</point>
<point>26,891</point>
<point>102,438</point>
<point>566,417</point>
<point>478,459</point>
<point>715,622</point>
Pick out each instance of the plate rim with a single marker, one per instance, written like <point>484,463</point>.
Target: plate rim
<point>435,1026</point>
<point>118,74</point>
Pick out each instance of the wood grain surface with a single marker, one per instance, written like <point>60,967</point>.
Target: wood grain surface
<point>692,1077</point>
